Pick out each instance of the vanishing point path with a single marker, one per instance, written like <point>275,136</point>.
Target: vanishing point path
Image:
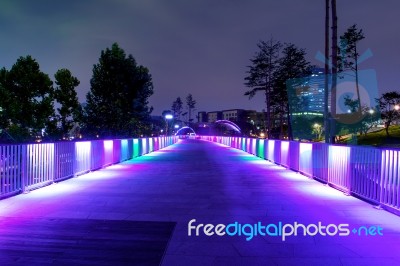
<point>137,213</point>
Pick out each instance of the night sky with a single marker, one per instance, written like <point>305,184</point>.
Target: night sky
<point>199,46</point>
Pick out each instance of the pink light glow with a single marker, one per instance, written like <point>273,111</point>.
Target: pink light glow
<point>108,145</point>
<point>108,152</point>
<point>285,146</point>
<point>156,143</point>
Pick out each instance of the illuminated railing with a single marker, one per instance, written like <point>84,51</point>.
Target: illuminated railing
<point>365,172</point>
<point>28,166</point>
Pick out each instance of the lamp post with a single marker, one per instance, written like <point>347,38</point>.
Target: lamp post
<point>167,118</point>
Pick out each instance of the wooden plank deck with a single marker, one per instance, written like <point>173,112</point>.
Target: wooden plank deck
<point>55,241</point>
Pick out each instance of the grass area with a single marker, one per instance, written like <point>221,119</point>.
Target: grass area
<point>379,138</point>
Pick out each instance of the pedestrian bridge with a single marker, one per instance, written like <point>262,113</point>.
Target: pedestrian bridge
<point>160,200</point>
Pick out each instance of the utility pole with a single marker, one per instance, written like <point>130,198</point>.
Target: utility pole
<point>326,91</point>
<point>334,72</point>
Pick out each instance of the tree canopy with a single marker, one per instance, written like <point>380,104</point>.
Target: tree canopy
<point>117,103</point>
<point>70,111</point>
<point>389,105</point>
<point>348,55</point>
<point>27,100</point>
<point>191,105</point>
<point>262,74</point>
<point>176,108</point>
<point>272,66</point>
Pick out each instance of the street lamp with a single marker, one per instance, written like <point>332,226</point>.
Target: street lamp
<point>167,118</point>
<point>397,107</point>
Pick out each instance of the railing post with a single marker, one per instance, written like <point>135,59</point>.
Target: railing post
<point>24,175</point>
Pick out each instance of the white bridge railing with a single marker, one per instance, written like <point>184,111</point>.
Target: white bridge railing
<point>28,166</point>
<point>366,172</point>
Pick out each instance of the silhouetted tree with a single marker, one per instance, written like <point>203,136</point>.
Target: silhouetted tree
<point>5,102</point>
<point>176,108</point>
<point>352,104</point>
<point>190,104</point>
<point>359,121</point>
<point>389,104</point>
<point>28,101</point>
<point>371,119</point>
<point>348,58</point>
<point>262,72</point>
<point>117,104</point>
<point>292,65</point>
<point>70,110</point>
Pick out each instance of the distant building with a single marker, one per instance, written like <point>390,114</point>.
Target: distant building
<point>250,117</point>
<point>309,96</point>
<point>214,116</point>
<point>239,116</point>
<point>202,117</point>
<point>233,115</point>
<point>250,121</point>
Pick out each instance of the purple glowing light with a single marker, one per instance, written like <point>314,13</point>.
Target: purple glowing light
<point>253,146</point>
<point>82,156</point>
<point>248,146</point>
<point>271,150</point>
<point>285,153</point>
<point>338,166</point>
<point>108,145</point>
<point>108,152</point>
<point>305,158</point>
